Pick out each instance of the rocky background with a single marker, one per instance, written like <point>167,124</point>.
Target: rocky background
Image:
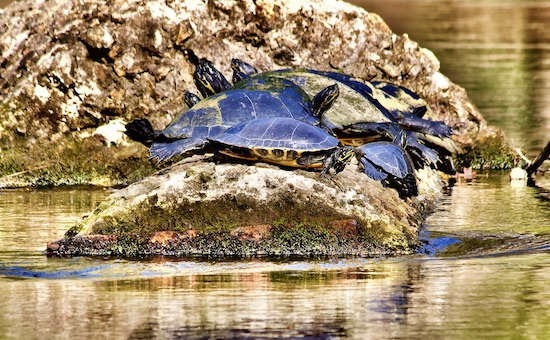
<point>73,72</point>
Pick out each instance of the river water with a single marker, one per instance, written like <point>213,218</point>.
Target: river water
<point>490,281</point>
<point>498,50</point>
<point>484,273</point>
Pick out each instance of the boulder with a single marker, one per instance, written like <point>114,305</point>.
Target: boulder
<point>201,208</point>
<point>73,72</point>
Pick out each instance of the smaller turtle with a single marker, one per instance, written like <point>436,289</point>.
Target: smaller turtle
<point>409,109</point>
<point>278,140</point>
<point>386,162</point>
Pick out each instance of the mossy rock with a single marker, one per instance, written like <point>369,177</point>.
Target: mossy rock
<point>208,209</point>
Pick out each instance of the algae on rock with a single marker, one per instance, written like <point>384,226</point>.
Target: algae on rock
<point>213,209</point>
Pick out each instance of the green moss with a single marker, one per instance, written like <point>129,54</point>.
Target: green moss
<point>71,161</point>
<point>489,151</point>
<point>287,239</point>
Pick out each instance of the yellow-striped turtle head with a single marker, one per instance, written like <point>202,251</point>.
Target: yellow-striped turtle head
<point>208,79</point>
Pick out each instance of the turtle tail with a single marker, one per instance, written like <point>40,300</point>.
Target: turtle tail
<point>141,130</point>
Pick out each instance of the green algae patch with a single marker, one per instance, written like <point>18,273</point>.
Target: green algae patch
<point>72,161</point>
<point>489,150</point>
<point>338,239</point>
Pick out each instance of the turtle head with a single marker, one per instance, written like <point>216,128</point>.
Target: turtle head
<point>190,99</point>
<point>323,100</point>
<point>208,79</point>
<point>241,67</point>
<point>238,76</point>
<point>338,159</point>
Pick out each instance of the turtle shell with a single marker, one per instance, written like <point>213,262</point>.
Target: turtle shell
<point>388,157</point>
<point>398,99</point>
<point>391,164</point>
<point>282,141</point>
<point>405,106</point>
<point>215,114</point>
<point>352,107</point>
<point>364,102</point>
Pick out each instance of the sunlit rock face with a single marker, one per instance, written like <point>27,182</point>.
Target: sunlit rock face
<point>74,65</point>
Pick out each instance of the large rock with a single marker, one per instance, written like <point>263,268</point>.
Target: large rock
<point>208,209</point>
<point>73,72</point>
<point>70,67</point>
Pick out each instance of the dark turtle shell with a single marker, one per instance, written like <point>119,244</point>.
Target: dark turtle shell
<point>389,163</point>
<point>395,102</point>
<point>217,113</point>
<point>282,141</point>
<point>398,103</point>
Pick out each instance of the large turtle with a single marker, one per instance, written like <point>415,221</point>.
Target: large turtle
<point>399,103</point>
<point>292,143</point>
<point>211,116</point>
<point>282,141</point>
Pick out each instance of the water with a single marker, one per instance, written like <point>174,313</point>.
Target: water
<point>490,281</point>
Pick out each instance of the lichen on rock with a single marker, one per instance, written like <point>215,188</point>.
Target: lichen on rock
<point>211,209</point>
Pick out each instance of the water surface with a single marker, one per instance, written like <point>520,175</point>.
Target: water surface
<point>491,281</point>
<point>498,50</point>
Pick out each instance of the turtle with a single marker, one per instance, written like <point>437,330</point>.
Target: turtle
<point>353,118</point>
<point>215,114</point>
<point>282,141</point>
<point>428,142</point>
<point>292,143</point>
<point>398,103</point>
<point>409,109</point>
<point>241,70</point>
<point>387,162</point>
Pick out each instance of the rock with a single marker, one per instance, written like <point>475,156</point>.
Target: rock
<point>71,66</point>
<point>74,70</point>
<point>209,209</point>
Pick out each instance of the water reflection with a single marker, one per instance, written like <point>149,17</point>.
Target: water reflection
<point>498,50</point>
<point>399,298</point>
